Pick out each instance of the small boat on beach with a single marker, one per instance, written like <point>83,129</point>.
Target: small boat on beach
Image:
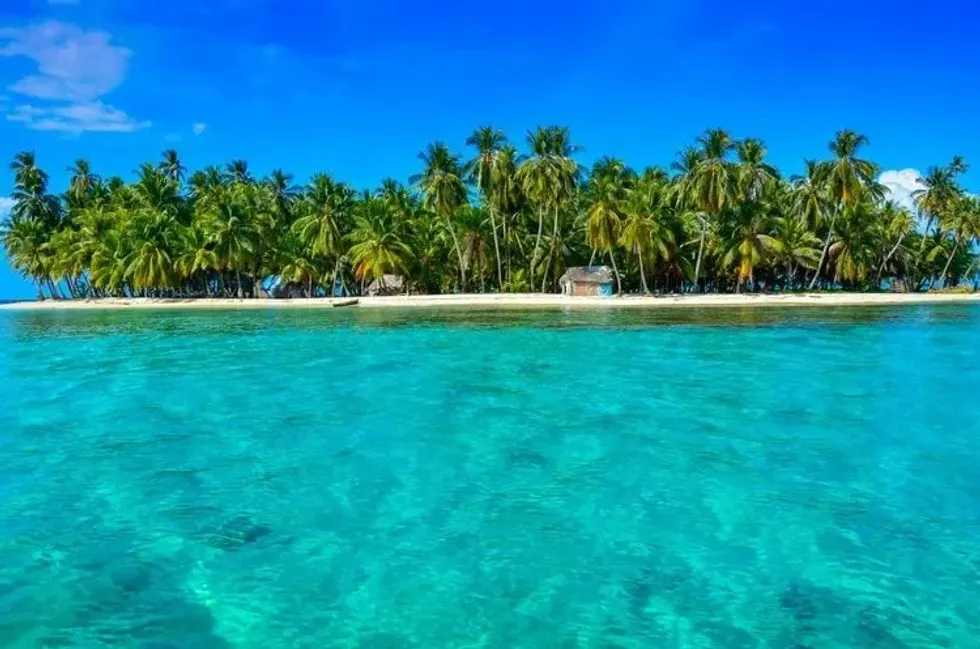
<point>350,302</point>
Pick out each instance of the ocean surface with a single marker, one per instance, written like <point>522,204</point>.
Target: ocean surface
<point>474,479</point>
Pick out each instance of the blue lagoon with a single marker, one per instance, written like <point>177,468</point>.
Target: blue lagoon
<point>271,479</point>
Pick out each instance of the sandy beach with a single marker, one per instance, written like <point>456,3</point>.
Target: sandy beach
<point>521,301</point>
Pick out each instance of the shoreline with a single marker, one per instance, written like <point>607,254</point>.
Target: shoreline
<point>512,300</point>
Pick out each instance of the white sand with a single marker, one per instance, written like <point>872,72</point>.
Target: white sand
<point>528,301</point>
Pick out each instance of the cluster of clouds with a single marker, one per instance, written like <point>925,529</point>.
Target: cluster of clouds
<point>6,204</point>
<point>901,184</point>
<point>76,69</point>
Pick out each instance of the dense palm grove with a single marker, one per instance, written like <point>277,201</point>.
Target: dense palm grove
<point>498,219</point>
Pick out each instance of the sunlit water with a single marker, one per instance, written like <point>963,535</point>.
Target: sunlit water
<point>728,479</point>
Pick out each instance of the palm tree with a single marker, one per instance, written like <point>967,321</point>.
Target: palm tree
<point>507,196</point>
<point>25,242</point>
<point>846,177</point>
<point>172,167</point>
<point>796,246</point>
<point>711,184</point>
<point>548,179</point>
<point>645,232</point>
<point>376,248</point>
<point>231,229</point>
<point>284,196</point>
<point>754,175</point>
<point>747,242</point>
<point>197,256</point>
<point>236,171</point>
<point>940,191</point>
<point>325,206</point>
<point>853,252</point>
<point>963,222</point>
<point>441,183</point>
<point>150,262</point>
<point>296,265</point>
<point>473,222</point>
<point>897,223</point>
<point>810,197</point>
<point>488,142</point>
<point>608,188</point>
<point>82,185</point>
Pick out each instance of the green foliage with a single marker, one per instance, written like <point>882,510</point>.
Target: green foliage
<point>722,219</point>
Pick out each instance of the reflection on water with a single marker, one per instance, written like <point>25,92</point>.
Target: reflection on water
<point>459,478</point>
<point>191,320</point>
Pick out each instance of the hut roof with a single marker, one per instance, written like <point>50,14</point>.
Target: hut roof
<point>588,275</point>
<point>389,282</point>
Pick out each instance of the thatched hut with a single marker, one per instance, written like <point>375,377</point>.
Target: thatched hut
<point>587,280</point>
<point>387,285</point>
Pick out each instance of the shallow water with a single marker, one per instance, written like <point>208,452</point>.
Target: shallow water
<point>727,478</point>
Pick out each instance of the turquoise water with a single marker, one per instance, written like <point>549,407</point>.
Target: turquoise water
<point>791,479</point>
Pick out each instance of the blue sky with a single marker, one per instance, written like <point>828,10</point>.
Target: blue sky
<point>358,88</point>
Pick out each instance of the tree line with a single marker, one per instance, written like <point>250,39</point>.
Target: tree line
<point>720,219</point>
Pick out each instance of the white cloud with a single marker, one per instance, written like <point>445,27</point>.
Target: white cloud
<point>901,184</point>
<point>76,118</point>
<point>75,69</point>
<point>6,205</point>
<point>199,127</point>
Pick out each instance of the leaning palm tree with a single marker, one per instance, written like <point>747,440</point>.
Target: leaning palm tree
<point>441,181</point>
<point>897,223</point>
<point>939,191</point>
<point>846,176</point>
<point>963,223</point>
<point>488,142</point>
<point>25,243</point>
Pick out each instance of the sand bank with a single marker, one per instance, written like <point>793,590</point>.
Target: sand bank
<point>524,301</point>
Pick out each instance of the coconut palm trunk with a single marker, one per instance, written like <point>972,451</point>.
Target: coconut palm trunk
<point>697,264</point>
<point>55,292</point>
<point>459,255</point>
<point>537,245</point>
<point>493,225</point>
<point>826,247</point>
<point>888,257</point>
<point>496,250</point>
<point>949,262</point>
<point>612,258</point>
<point>643,275</point>
<point>551,251</point>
